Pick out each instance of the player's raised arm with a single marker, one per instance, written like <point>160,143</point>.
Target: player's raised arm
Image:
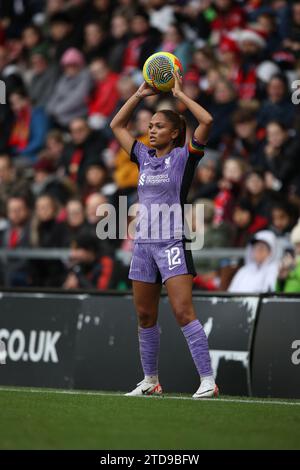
<point>121,119</point>
<point>203,117</point>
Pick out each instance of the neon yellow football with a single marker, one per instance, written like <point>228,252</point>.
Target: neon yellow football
<point>158,69</point>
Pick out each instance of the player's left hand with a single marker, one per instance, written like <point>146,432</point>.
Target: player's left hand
<point>177,85</point>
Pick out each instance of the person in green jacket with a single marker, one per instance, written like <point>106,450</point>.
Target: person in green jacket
<point>289,273</point>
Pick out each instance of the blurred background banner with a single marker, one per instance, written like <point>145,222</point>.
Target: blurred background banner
<point>89,342</point>
<point>276,349</point>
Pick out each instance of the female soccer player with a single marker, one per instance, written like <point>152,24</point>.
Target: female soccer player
<point>166,171</point>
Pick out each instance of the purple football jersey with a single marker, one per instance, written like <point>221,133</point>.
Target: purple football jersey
<point>163,186</point>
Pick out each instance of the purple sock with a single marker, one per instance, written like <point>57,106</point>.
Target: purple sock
<point>197,342</point>
<point>149,349</point>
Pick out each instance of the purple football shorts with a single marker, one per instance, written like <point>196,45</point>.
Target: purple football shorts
<point>157,262</point>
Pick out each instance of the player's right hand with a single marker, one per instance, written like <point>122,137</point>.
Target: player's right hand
<point>146,90</point>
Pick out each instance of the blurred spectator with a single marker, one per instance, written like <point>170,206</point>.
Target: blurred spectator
<point>95,44</point>
<point>29,129</point>
<point>92,203</point>
<point>289,271</point>
<point>175,43</point>
<point>251,44</point>
<point>280,158</point>
<point>205,183</point>
<point>86,147</point>
<point>44,77</point>
<point>260,271</point>
<point>104,96</point>
<point>47,233</point>
<point>229,189</point>
<point>145,40</point>
<point>246,223</point>
<point>119,32</point>
<point>16,235</point>
<point>61,35</point>
<point>95,179</point>
<point>10,181</point>
<point>292,41</point>
<point>229,17</point>
<point>278,105</point>
<point>47,182</point>
<point>90,268</point>
<point>283,218</point>
<point>75,219</point>
<point>256,194</point>
<point>247,140</point>
<point>209,271</point>
<point>223,104</point>
<point>32,37</point>
<point>54,147</point>
<point>69,97</point>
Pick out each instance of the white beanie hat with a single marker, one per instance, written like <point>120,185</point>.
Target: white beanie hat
<point>266,70</point>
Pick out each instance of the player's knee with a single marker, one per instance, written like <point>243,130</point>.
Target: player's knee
<point>146,318</point>
<point>184,313</point>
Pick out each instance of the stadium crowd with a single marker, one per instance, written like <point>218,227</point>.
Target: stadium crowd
<point>69,65</point>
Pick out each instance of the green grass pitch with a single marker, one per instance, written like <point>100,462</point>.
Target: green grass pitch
<point>49,419</point>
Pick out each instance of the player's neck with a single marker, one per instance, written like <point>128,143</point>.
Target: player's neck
<point>164,151</point>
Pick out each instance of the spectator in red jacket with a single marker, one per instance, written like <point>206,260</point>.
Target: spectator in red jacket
<point>105,95</point>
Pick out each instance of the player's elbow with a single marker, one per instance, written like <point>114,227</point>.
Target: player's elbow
<point>208,120</point>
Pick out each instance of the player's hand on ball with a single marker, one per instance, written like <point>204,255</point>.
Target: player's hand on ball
<point>177,85</point>
<point>145,90</point>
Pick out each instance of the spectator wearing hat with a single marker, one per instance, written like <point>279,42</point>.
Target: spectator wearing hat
<point>86,147</point>
<point>251,43</point>
<point>44,76</point>
<point>229,55</point>
<point>29,129</point>
<point>70,94</point>
<point>289,271</point>
<point>260,270</point>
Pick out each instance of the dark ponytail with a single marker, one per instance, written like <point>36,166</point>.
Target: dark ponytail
<point>178,122</point>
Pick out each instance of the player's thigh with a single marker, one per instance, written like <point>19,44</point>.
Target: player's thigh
<point>146,297</point>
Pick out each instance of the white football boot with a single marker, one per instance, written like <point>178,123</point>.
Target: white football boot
<point>207,389</point>
<point>145,388</point>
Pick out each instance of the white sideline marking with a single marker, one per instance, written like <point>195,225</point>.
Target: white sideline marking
<point>104,394</point>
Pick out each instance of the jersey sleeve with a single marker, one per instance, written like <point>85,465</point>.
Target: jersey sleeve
<point>195,149</point>
<point>138,152</point>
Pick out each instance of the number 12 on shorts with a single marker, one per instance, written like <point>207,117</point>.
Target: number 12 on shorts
<point>173,257</point>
